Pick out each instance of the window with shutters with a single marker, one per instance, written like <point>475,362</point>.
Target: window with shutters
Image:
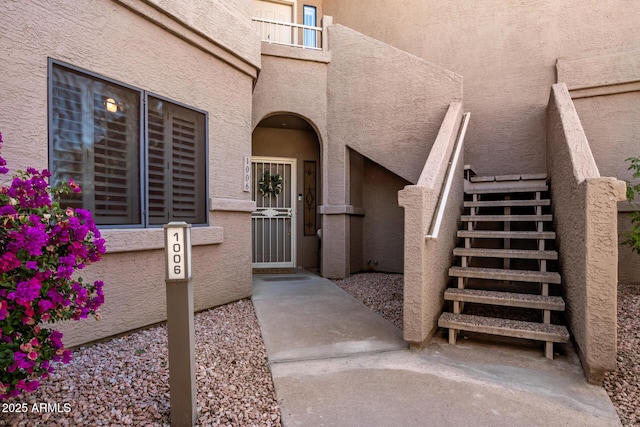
<point>140,159</point>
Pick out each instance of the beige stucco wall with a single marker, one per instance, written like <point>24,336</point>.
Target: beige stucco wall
<point>427,261</point>
<point>605,89</point>
<point>301,145</point>
<point>506,54</point>
<point>220,23</point>
<point>385,103</point>
<point>583,205</point>
<point>391,119</point>
<point>383,222</point>
<point>356,221</point>
<point>188,66</point>
<point>376,227</point>
<point>612,126</point>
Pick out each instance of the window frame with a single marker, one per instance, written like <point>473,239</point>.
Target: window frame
<point>143,138</point>
<point>312,35</point>
<point>148,94</point>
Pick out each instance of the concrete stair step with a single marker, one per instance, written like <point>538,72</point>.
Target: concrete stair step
<point>505,253</point>
<point>490,234</point>
<point>507,218</point>
<point>509,299</point>
<point>507,275</point>
<point>494,189</point>
<point>525,177</point>
<point>506,203</point>
<point>504,327</point>
<point>506,186</point>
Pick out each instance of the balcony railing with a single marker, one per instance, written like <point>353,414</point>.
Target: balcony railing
<point>289,34</point>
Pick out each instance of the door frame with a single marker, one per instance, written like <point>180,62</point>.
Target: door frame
<point>294,212</point>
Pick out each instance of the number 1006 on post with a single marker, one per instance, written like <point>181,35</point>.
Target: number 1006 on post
<point>177,251</point>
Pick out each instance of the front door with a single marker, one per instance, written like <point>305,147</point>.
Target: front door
<point>273,222</point>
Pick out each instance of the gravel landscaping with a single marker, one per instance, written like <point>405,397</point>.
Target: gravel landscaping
<point>124,381</point>
<point>623,385</point>
<point>381,292</point>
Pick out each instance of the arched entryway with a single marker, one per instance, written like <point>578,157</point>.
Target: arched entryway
<point>286,187</point>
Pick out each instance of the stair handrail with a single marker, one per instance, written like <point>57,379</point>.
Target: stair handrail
<point>435,225</point>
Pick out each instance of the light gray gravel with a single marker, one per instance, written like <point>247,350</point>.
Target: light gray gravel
<point>623,385</point>
<point>381,292</point>
<point>125,381</point>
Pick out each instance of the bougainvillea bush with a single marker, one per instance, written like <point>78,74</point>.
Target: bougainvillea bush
<point>632,239</point>
<point>42,244</point>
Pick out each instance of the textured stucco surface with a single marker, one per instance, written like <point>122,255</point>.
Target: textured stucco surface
<point>391,119</point>
<point>427,262</point>
<point>610,122</point>
<point>506,56</point>
<point>606,93</point>
<point>612,127</point>
<point>383,222</point>
<point>591,71</point>
<point>221,23</point>
<point>385,103</point>
<point>585,208</point>
<point>97,36</point>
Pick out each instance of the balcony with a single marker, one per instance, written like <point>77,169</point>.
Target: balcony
<point>292,34</point>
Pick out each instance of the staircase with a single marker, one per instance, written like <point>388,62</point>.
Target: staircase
<point>503,281</point>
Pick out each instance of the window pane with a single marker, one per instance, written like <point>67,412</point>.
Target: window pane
<point>177,163</point>
<point>309,16</point>
<point>96,142</point>
<point>68,153</point>
<point>158,167</point>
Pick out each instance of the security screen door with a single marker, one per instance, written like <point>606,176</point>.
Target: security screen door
<point>273,222</point>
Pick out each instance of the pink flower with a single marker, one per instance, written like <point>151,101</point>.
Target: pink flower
<point>42,247</point>
<point>74,186</point>
<point>4,305</point>
<point>26,291</point>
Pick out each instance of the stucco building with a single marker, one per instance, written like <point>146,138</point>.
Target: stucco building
<point>205,111</point>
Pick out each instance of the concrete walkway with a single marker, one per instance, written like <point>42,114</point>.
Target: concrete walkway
<point>334,362</point>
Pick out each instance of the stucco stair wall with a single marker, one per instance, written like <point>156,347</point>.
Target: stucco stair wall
<point>386,104</point>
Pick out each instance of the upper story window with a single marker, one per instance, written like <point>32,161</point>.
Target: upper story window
<point>310,18</point>
<point>140,159</point>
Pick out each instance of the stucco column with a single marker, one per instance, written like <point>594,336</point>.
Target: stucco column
<point>335,243</point>
<point>414,199</point>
